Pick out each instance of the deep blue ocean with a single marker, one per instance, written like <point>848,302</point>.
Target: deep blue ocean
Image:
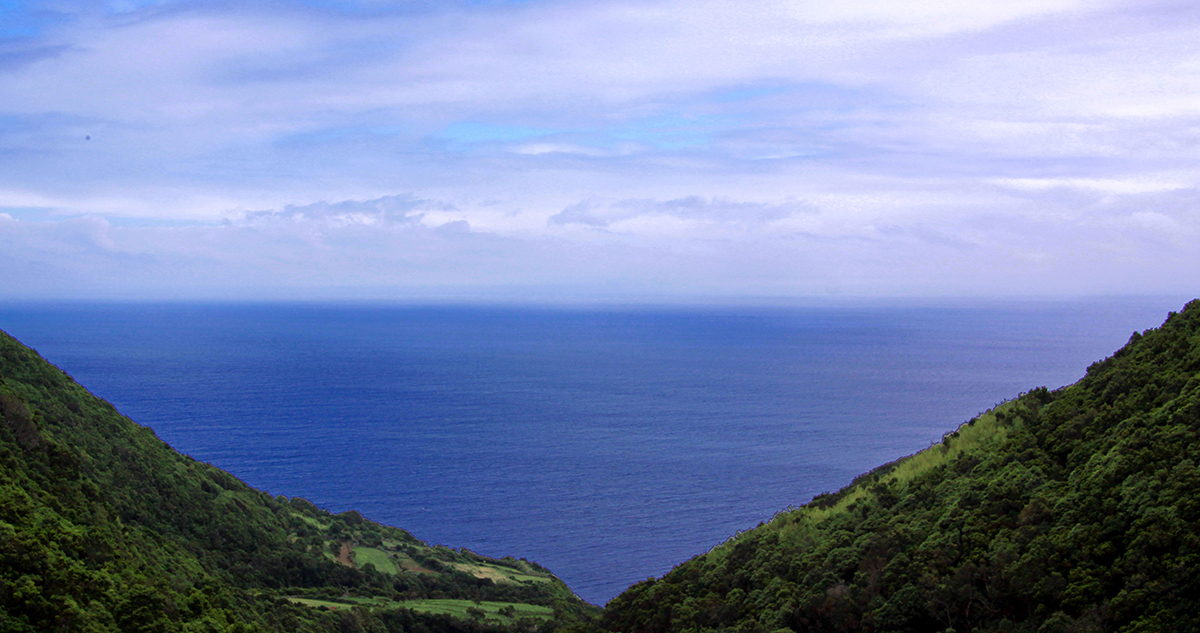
<point>606,444</point>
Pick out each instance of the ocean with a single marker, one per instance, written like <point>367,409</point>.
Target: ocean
<point>608,444</point>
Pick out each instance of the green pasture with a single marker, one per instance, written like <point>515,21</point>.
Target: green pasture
<point>311,521</point>
<point>377,557</point>
<point>497,573</point>
<point>454,608</point>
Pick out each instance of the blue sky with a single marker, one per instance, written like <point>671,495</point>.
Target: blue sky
<point>552,150</point>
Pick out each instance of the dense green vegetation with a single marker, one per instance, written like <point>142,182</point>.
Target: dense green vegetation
<point>103,527</point>
<point>1071,510</point>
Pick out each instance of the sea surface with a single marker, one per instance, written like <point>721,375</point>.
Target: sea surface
<point>608,444</point>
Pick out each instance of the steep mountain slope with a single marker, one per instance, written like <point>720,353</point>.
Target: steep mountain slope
<point>103,527</point>
<point>1072,510</point>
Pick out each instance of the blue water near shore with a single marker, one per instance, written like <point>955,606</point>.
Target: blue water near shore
<point>606,444</point>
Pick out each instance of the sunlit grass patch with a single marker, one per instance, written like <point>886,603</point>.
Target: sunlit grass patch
<point>312,521</point>
<point>497,573</point>
<point>377,557</point>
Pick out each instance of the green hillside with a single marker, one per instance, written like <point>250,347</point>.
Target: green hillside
<point>103,527</point>
<point>1071,510</point>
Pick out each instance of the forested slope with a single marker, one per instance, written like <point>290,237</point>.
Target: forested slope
<point>1071,510</point>
<point>103,527</point>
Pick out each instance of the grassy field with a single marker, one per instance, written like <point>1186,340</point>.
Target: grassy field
<point>497,573</point>
<point>377,557</point>
<point>311,521</point>
<point>455,608</point>
<point>393,562</point>
<point>408,563</point>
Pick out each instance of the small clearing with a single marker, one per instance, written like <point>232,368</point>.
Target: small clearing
<point>346,555</point>
<point>377,557</point>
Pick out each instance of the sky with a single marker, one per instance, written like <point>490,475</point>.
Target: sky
<point>563,151</point>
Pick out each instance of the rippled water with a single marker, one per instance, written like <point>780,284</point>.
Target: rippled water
<point>608,445</point>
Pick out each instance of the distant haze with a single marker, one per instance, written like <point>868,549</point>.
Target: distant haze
<point>597,151</point>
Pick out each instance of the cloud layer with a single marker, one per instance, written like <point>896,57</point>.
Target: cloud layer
<point>605,150</point>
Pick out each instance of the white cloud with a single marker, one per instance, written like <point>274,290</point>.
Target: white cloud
<point>693,215</point>
<point>740,148</point>
<point>644,248</point>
